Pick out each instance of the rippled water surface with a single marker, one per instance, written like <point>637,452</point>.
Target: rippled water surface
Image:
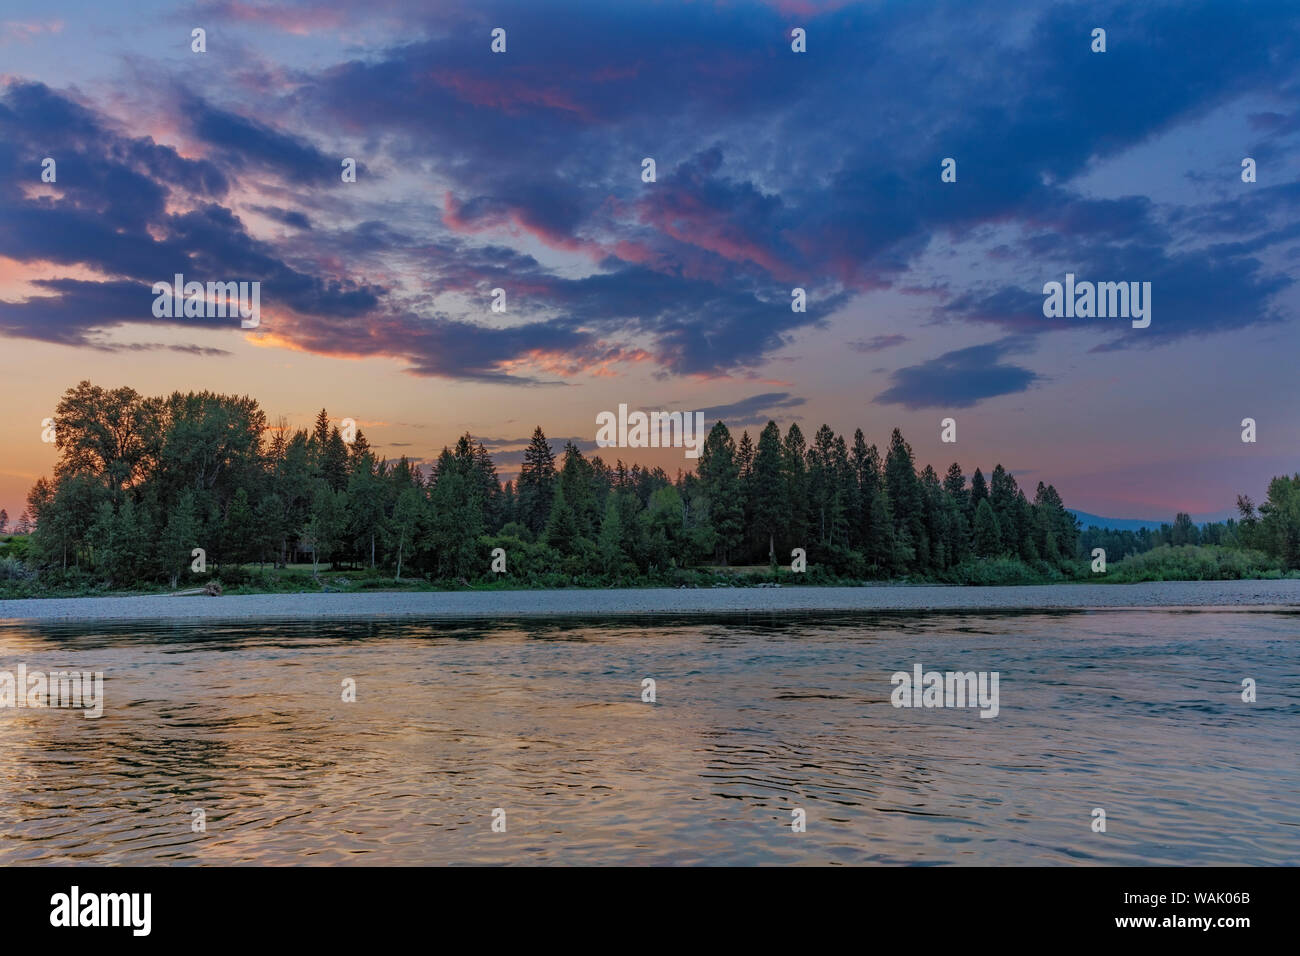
<point>1136,712</point>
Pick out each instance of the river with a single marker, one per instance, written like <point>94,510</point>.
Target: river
<point>1135,712</point>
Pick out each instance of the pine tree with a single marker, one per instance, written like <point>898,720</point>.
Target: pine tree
<point>860,518</point>
<point>771,502</point>
<point>561,524</point>
<point>954,484</point>
<point>1064,524</point>
<point>610,541</point>
<point>744,456</point>
<point>577,483</point>
<point>1002,498</point>
<point>933,518</point>
<point>745,473</point>
<point>334,461</point>
<point>905,498</point>
<point>508,513</point>
<point>988,538</point>
<point>359,448</point>
<point>179,537</point>
<point>957,530</point>
<point>321,433</point>
<point>979,491</point>
<point>720,478</point>
<point>844,497</point>
<point>793,461</point>
<point>454,516</point>
<point>883,554</point>
<point>536,485</point>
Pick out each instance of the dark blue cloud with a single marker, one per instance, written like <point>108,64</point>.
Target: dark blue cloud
<point>239,140</point>
<point>959,379</point>
<point>110,214</point>
<point>878,343</point>
<point>288,217</point>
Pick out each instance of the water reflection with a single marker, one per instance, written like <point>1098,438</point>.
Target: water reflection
<point>1138,712</point>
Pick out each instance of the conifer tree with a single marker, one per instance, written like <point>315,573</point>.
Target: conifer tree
<point>720,478</point>
<point>794,465</point>
<point>987,536</point>
<point>536,485</point>
<point>771,501</point>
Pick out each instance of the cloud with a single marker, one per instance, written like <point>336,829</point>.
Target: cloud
<point>775,170</point>
<point>288,217</point>
<point>878,343</point>
<point>241,140</point>
<point>24,31</point>
<point>113,216</point>
<point>959,379</point>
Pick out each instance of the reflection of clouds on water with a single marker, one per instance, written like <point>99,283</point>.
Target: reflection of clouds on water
<point>1136,711</point>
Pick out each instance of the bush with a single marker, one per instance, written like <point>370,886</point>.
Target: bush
<point>1194,563</point>
<point>233,576</point>
<point>989,572</point>
<point>15,546</point>
<point>528,564</point>
<point>837,561</point>
<point>12,569</point>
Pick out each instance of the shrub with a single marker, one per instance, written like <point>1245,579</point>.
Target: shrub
<point>991,572</point>
<point>1194,563</point>
<point>12,569</point>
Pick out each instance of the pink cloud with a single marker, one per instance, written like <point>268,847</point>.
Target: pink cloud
<point>508,96</point>
<point>299,20</point>
<point>514,219</point>
<point>15,31</point>
<point>685,218</point>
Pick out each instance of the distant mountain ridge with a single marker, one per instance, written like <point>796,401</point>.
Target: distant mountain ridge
<point>1086,519</point>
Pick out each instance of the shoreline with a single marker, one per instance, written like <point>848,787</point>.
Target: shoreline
<point>641,602</point>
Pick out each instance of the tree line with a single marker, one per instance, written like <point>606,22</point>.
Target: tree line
<point>1272,528</point>
<point>143,481</point>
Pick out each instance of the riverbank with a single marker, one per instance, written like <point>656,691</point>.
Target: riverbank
<point>651,601</point>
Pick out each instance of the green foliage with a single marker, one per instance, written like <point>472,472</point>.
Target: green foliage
<point>1279,531</point>
<point>536,484</point>
<point>768,491</point>
<point>1193,563</point>
<point>987,541</point>
<point>179,538</point>
<point>141,482</point>
<point>720,483</point>
<point>995,572</point>
<point>12,569</point>
<point>15,546</point>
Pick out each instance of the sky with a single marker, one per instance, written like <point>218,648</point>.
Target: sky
<point>522,170</point>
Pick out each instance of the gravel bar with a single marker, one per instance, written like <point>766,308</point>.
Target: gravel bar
<point>633,602</point>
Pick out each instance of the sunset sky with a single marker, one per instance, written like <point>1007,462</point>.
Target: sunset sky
<point>523,170</point>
